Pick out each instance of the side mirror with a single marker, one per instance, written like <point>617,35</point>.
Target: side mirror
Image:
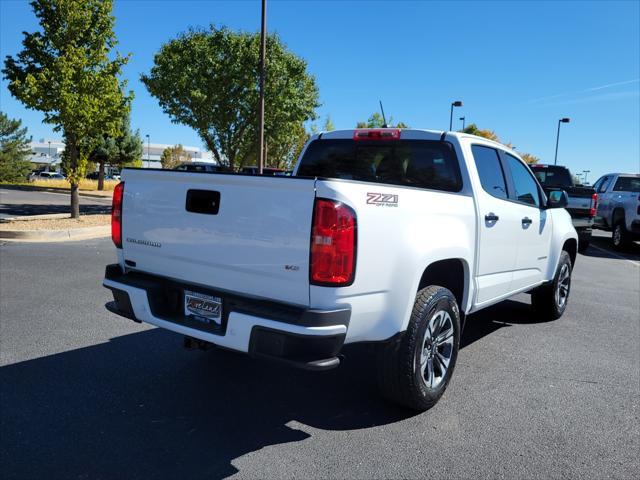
<point>557,199</point>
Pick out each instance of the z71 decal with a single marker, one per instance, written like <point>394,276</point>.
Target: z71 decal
<point>382,199</point>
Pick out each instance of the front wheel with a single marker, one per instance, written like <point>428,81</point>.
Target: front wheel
<point>415,368</point>
<point>551,300</point>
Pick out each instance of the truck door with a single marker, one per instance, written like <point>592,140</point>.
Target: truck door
<point>534,224</point>
<point>604,202</point>
<point>498,224</point>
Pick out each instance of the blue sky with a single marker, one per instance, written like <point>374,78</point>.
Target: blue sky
<point>517,66</point>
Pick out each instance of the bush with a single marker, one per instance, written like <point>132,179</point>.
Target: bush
<point>85,184</point>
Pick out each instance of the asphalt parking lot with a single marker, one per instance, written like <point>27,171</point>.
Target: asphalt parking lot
<point>86,394</point>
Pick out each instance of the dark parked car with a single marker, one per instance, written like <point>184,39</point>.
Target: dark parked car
<point>199,167</point>
<point>253,170</point>
<point>583,201</point>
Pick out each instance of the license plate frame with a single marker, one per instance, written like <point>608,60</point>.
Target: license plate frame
<point>204,308</point>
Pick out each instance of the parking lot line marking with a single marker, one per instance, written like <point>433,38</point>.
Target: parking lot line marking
<point>632,262</point>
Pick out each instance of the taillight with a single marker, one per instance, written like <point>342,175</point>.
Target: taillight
<point>594,205</point>
<point>384,134</point>
<point>116,215</point>
<point>333,244</point>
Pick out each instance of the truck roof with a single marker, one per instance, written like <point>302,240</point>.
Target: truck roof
<point>410,134</point>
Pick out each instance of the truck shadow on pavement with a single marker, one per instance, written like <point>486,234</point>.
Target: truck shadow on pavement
<point>140,406</point>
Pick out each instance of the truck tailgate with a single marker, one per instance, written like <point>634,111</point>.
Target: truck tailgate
<point>254,242</point>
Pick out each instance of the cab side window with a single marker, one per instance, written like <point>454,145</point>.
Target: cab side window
<point>525,185</point>
<point>596,186</point>
<point>490,171</point>
<point>604,185</point>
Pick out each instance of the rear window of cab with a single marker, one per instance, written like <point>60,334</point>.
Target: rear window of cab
<point>413,163</point>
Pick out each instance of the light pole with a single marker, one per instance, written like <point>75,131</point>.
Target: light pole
<point>148,149</point>
<point>457,103</point>
<point>49,142</point>
<point>585,175</point>
<point>463,119</point>
<point>263,48</point>
<point>562,120</point>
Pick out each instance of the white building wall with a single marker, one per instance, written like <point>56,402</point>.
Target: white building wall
<point>48,153</point>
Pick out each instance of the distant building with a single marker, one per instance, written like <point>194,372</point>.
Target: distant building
<point>152,152</point>
<point>46,154</point>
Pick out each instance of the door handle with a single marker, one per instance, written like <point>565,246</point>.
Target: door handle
<point>491,217</point>
<point>527,221</point>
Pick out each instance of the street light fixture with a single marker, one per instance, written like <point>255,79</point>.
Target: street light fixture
<point>148,149</point>
<point>463,119</point>
<point>457,103</point>
<point>562,120</point>
<point>585,172</point>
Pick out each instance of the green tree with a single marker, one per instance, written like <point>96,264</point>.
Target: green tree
<point>14,150</point>
<point>473,129</point>
<point>328,125</point>
<point>376,121</point>
<point>530,159</point>
<point>123,150</point>
<point>68,71</point>
<point>208,80</point>
<point>173,156</point>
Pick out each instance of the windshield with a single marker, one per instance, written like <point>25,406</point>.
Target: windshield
<point>552,176</point>
<point>627,184</point>
<point>415,163</point>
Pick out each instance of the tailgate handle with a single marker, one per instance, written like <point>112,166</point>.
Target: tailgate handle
<point>203,201</point>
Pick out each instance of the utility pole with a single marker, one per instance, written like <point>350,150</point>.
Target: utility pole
<point>148,150</point>
<point>263,48</point>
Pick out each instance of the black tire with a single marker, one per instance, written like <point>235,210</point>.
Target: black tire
<point>620,236</point>
<point>550,301</point>
<point>583,246</point>
<point>400,361</point>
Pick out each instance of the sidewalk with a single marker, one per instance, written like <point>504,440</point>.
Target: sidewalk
<point>54,227</point>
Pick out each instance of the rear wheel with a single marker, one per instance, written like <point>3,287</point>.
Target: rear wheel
<point>550,301</point>
<point>620,236</point>
<point>414,369</point>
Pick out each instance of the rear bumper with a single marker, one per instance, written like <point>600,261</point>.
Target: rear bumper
<point>306,338</point>
<point>582,222</point>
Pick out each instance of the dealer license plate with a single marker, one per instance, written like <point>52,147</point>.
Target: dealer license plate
<point>201,307</point>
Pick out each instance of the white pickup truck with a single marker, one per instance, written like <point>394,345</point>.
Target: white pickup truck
<point>385,236</point>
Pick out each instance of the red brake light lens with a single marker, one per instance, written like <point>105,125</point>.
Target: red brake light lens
<point>333,244</point>
<point>374,134</point>
<point>594,205</point>
<point>116,215</point>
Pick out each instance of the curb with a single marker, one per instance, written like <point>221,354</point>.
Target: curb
<point>52,190</point>
<point>56,235</point>
<point>27,218</point>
